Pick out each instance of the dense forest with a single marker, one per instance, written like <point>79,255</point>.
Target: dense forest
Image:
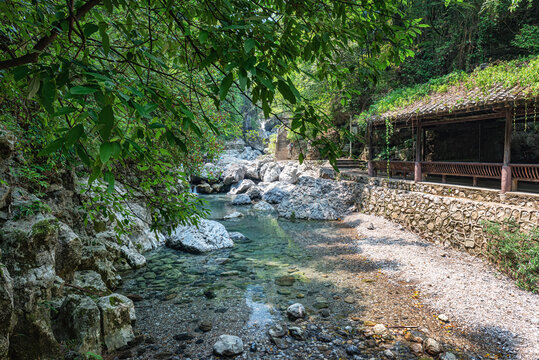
<point>124,88</point>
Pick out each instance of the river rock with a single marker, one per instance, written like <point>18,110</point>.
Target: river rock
<point>295,311</point>
<point>233,174</point>
<point>234,215</point>
<point>319,199</point>
<point>448,356</point>
<point>204,188</point>
<point>228,345</point>
<point>134,258</point>
<point>210,235</point>
<point>270,172</point>
<point>289,174</point>
<point>242,187</point>
<point>379,329</point>
<point>251,171</point>
<point>241,199</point>
<point>285,280</point>
<point>277,331</point>
<point>117,313</point>
<point>275,195</point>
<point>263,206</point>
<point>237,236</point>
<point>254,193</point>
<point>296,333</point>
<point>432,346</point>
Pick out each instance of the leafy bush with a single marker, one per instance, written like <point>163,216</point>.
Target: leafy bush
<point>515,252</point>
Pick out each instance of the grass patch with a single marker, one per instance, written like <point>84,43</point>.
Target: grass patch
<point>515,252</point>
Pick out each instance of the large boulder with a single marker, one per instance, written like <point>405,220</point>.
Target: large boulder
<point>79,320</point>
<point>263,206</point>
<point>254,193</point>
<point>117,315</point>
<point>91,281</point>
<point>242,187</point>
<point>208,236</point>
<point>68,252</point>
<point>289,174</point>
<point>251,171</point>
<point>7,316</point>
<point>274,195</point>
<point>241,199</point>
<point>233,174</point>
<point>28,248</point>
<point>320,199</point>
<point>271,172</point>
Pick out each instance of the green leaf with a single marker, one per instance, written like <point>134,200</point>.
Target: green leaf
<point>48,95</point>
<point>108,150</point>
<point>106,122</point>
<point>225,86</point>
<point>284,89</point>
<point>268,84</point>
<point>243,79</point>
<point>203,36</point>
<point>55,145</point>
<point>108,5</point>
<point>90,29</point>
<point>249,45</point>
<point>104,37</point>
<point>64,111</point>
<point>82,90</point>
<point>73,135</point>
<point>82,154</point>
<point>33,87</point>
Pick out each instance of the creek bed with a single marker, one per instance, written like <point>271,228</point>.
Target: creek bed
<point>189,300</point>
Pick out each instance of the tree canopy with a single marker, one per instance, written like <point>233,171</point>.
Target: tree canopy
<point>142,87</point>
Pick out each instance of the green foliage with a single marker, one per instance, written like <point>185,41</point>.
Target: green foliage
<point>35,207</point>
<point>94,356</point>
<point>139,87</point>
<point>515,252</point>
<point>524,73</point>
<point>528,38</point>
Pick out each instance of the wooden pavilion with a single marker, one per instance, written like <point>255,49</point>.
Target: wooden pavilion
<point>506,107</point>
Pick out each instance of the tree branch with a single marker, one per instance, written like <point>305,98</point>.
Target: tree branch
<point>45,41</point>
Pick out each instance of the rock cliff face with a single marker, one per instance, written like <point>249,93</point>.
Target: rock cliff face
<point>57,273</point>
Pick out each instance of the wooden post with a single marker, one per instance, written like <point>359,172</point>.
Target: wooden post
<point>444,178</point>
<point>418,152</point>
<point>370,165</point>
<point>506,169</point>
<point>475,181</point>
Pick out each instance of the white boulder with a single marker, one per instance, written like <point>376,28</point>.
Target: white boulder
<point>208,236</point>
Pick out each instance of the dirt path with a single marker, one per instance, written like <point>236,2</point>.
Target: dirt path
<point>484,304</point>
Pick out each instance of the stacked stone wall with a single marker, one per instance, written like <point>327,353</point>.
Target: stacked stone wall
<point>451,215</point>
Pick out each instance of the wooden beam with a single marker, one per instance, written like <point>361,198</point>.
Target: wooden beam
<point>506,169</point>
<point>418,152</point>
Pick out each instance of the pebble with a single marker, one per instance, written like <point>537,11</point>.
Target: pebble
<point>285,280</point>
<point>228,345</point>
<point>379,329</point>
<point>205,326</point>
<point>432,346</point>
<point>443,317</point>
<point>295,311</point>
<point>296,333</point>
<point>448,356</point>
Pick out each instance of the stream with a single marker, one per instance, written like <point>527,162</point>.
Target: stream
<point>187,301</point>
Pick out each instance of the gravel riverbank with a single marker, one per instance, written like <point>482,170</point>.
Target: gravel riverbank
<point>485,303</point>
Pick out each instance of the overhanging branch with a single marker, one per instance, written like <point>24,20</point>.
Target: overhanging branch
<point>45,41</point>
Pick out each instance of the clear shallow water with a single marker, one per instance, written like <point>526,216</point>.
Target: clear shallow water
<point>246,272</point>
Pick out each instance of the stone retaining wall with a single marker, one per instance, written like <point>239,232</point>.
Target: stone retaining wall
<point>447,214</point>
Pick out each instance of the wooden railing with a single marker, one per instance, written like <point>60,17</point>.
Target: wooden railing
<point>519,172</point>
<point>525,172</point>
<point>481,170</point>
<point>403,167</point>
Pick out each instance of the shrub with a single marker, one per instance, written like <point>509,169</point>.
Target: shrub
<point>515,252</point>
